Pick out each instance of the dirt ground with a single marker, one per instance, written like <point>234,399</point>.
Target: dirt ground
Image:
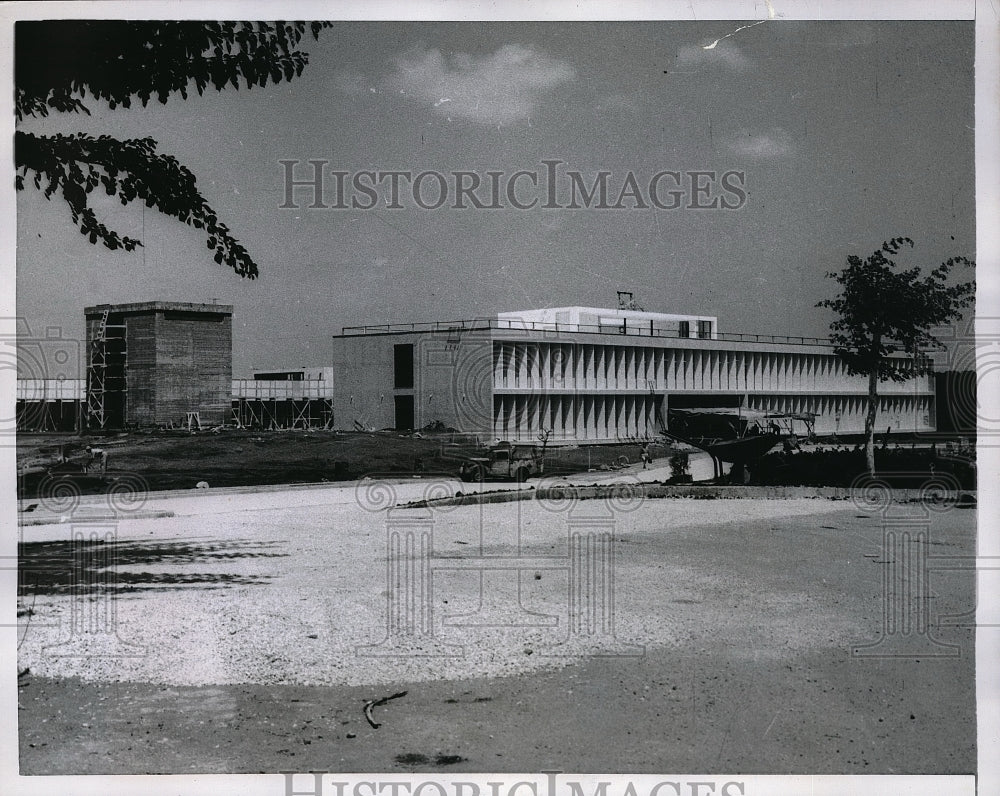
<point>179,460</point>
<point>746,613</point>
<point>699,711</point>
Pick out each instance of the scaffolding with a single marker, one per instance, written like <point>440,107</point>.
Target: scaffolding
<point>274,414</point>
<point>106,380</point>
<point>49,404</point>
<point>273,405</point>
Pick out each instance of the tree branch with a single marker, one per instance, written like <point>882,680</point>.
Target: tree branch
<point>132,169</point>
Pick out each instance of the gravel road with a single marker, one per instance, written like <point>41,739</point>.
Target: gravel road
<point>289,590</point>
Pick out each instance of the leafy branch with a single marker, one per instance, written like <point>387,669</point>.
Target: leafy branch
<point>57,64</point>
<point>881,311</point>
<point>75,165</point>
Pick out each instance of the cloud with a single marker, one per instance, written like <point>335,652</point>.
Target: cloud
<point>495,89</point>
<point>774,144</point>
<point>724,54</point>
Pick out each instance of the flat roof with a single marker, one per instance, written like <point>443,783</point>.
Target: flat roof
<point>159,306</point>
<point>507,329</point>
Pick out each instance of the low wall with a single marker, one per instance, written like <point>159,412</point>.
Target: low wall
<point>628,492</point>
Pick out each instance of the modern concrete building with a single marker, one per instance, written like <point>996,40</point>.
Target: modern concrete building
<point>598,375</point>
<point>158,363</point>
<point>585,374</point>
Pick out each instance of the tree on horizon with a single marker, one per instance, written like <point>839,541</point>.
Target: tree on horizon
<point>882,311</point>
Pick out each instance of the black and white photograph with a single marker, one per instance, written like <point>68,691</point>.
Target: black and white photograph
<point>498,400</point>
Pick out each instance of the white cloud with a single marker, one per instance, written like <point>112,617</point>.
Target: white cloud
<point>499,88</point>
<point>774,144</point>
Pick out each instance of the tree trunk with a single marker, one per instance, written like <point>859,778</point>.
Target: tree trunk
<point>870,420</point>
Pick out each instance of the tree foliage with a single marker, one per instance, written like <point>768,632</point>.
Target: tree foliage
<point>881,310</point>
<point>59,64</point>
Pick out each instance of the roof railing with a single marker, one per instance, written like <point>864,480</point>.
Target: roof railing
<point>629,329</point>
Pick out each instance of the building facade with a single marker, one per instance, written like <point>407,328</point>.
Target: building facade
<point>596,375</point>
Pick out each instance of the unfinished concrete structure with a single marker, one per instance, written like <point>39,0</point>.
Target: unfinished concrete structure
<point>49,404</point>
<point>600,375</point>
<point>158,363</point>
<point>273,399</point>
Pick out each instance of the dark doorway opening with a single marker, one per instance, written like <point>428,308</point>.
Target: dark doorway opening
<point>404,412</point>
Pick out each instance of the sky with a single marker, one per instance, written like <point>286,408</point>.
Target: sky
<point>845,134</point>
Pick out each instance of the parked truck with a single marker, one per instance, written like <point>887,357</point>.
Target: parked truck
<point>505,462</point>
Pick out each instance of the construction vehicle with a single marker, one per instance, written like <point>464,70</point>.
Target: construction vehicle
<point>505,462</point>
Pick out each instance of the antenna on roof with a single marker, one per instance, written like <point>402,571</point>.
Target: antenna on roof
<point>626,301</point>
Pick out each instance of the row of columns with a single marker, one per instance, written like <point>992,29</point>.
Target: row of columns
<point>522,417</point>
<point>533,365</point>
<point>603,417</point>
<point>836,414</point>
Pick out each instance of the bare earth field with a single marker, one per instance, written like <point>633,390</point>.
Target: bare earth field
<point>179,460</point>
<point>242,632</point>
